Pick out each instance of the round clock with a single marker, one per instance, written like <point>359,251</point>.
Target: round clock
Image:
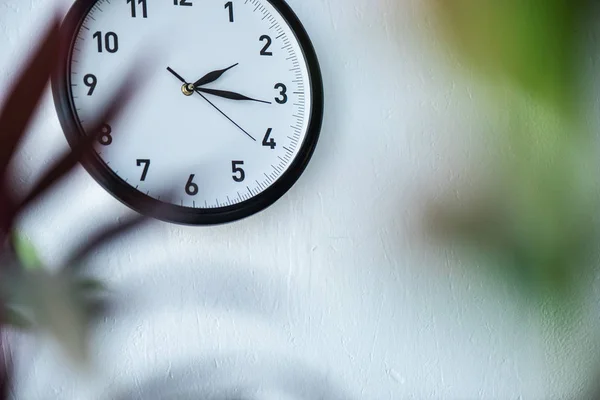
<point>226,120</point>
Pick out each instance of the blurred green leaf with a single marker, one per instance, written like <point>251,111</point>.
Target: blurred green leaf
<point>57,303</point>
<point>26,253</point>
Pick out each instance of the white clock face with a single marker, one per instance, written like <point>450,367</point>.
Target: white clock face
<point>224,106</point>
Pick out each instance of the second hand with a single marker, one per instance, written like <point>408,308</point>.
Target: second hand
<point>225,115</point>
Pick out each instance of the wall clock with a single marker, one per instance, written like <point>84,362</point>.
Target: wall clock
<point>229,116</point>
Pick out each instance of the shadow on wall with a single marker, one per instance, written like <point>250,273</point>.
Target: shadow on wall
<point>203,301</point>
<point>236,378</point>
<point>202,371</point>
<point>246,291</point>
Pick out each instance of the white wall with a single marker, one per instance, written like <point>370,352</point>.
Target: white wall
<point>333,288</point>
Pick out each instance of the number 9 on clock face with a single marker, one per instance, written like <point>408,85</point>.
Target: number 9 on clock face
<point>226,113</point>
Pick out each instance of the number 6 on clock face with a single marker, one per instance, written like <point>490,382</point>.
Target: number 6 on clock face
<point>227,119</point>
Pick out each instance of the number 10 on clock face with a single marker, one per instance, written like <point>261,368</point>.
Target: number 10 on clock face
<point>227,113</point>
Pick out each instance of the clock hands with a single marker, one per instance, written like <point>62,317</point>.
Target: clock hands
<point>225,115</point>
<point>212,76</point>
<point>188,90</point>
<point>228,95</point>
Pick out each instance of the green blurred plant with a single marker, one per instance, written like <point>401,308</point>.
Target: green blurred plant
<point>537,214</point>
<point>534,45</point>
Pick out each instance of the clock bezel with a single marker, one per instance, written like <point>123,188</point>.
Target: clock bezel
<point>168,212</point>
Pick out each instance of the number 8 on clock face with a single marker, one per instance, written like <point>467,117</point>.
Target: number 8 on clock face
<point>225,119</point>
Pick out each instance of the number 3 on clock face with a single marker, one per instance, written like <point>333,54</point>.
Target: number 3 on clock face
<point>226,121</point>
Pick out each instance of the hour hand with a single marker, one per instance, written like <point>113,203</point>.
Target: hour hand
<point>229,95</point>
<point>212,76</point>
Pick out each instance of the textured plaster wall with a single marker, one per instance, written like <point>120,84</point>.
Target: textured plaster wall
<point>330,293</point>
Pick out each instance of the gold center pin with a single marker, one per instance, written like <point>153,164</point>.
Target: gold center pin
<point>187,89</point>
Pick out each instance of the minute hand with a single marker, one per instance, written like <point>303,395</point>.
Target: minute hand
<point>229,95</point>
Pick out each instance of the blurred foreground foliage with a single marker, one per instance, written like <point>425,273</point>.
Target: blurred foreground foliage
<point>63,302</point>
<point>536,215</point>
<point>535,45</point>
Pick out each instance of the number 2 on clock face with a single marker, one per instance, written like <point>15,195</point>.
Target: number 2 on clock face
<point>227,118</point>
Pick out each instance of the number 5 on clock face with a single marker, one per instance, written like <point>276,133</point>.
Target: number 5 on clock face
<point>227,120</point>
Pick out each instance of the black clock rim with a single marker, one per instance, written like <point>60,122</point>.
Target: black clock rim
<point>148,206</point>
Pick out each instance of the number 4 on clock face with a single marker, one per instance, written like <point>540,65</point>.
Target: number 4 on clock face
<point>268,141</point>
